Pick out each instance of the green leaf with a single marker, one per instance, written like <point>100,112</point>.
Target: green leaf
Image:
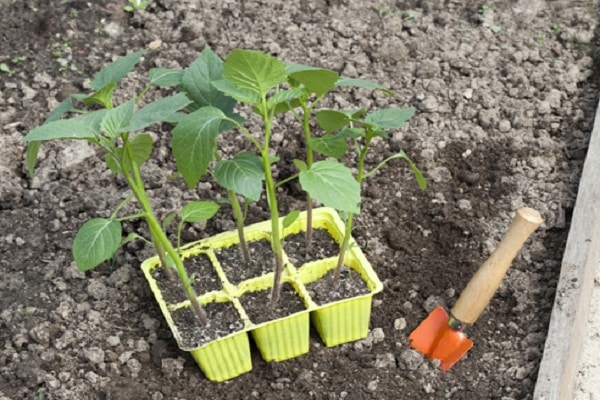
<point>289,219</point>
<point>198,81</point>
<point>62,129</point>
<point>97,241</point>
<point>316,80</point>
<point>115,71</point>
<point>157,111</point>
<point>243,174</point>
<point>351,133</point>
<point>284,97</point>
<point>362,83</point>
<point>245,96</point>
<point>389,118</point>
<point>300,165</point>
<point>31,157</point>
<point>166,77</point>
<point>65,106</point>
<point>329,145</point>
<point>141,147</point>
<point>197,211</point>
<point>332,120</point>
<point>255,71</point>
<point>421,181</point>
<point>194,142</point>
<point>103,96</point>
<point>332,184</point>
<point>117,118</point>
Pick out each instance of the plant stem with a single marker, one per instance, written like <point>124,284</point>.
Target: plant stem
<point>158,236</point>
<point>276,244</point>
<point>239,221</point>
<point>309,162</point>
<point>349,220</point>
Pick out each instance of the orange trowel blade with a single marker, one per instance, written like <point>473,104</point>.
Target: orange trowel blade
<point>435,339</point>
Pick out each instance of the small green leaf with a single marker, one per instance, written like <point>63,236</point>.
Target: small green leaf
<point>157,111</point>
<point>103,96</point>
<point>97,241</point>
<point>389,118</point>
<point>329,145</point>
<point>65,106</point>
<point>254,71</point>
<point>115,71</point>
<point>289,219</point>
<point>243,174</point>
<point>351,133</point>
<point>141,147</point>
<point>197,211</point>
<point>166,77</point>
<point>194,142</point>
<point>362,83</point>
<point>317,81</point>
<point>284,96</point>
<point>31,157</point>
<point>117,118</point>
<point>168,219</point>
<point>198,81</point>
<point>332,120</point>
<point>332,184</point>
<point>301,165</point>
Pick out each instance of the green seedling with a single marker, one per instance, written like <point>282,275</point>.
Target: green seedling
<point>242,175</point>
<point>362,128</point>
<point>136,5</point>
<point>312,85</point>
<point>261,83</point>
<point>118,130</point>
<point>6,69</point>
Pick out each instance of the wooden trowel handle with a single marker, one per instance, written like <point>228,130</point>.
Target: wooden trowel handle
<point>488,277</point>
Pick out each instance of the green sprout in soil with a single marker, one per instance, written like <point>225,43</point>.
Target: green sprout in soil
<point>118,130</point>
<point>136,5</point>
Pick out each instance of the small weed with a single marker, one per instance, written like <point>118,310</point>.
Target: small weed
<point>385,10</point>
<point>6,69</point>
<point>555,28</point>
<point>136,5</point>
<point>25,313</point>
<point>409,16</point>
<point>73,13</point>
<point>497,28</point>
<point>484,9</point>
<point>18,59</point>
<point>540,38</point>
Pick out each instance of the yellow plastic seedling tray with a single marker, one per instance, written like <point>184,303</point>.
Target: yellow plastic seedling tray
<point>337,322</point>
<point>221,359</point>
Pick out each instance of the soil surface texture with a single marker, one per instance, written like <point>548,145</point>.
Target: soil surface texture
<point>505,93</point>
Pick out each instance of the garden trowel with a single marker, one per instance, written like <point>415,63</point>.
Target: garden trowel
<point>440,335</point>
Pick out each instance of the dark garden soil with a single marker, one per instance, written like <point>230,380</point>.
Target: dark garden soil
<point>505,94</point>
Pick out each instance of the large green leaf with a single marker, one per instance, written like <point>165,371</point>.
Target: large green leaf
<point>97,241</point>
<point>65,106</point>
<point>117,118</point>
<point>62,129</point>
<point>166,77</point>
<point>254,70</point>
<point>115,71</point>
<point>157,111</point>
<point>245,96</point>
<point>389,118</point>
<point>362,83</point>
<point>194,142</point>
<point>243,174</point>
<point>197,211</point>
<point>332,184</point>
<point>197,82</point>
